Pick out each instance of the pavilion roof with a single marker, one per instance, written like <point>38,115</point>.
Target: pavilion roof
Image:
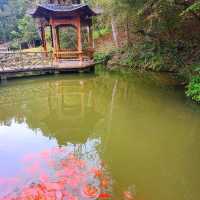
<point>45,10</point>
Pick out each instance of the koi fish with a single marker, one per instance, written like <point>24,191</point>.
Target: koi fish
<point>97,172</point>
<point>105,183</point>
<point>90,191</point>
<point>104,196</point>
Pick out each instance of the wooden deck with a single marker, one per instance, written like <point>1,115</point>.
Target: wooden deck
<point>20,64</point>
<point>55,68</point>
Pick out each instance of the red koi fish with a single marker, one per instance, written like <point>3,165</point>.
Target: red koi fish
<point>104,196</point>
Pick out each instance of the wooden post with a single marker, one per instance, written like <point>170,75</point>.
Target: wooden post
<point>44,43</point>
<point>55,42</point>
<point>79,40</point>
<point>51,36</point>
<point>58,37</point>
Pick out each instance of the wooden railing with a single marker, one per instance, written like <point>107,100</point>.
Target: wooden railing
<point>22,60</point>
<point>77,55</point>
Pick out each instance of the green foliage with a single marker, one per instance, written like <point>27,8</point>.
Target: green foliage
<point>195,7</point>
<point>193,89</point>
<point>10,12</point>
<point>26,30</point>
<point>128,58</point>
<point>102,57</point>
<point>147,56</point>
<point>197,68</point>
<point>15,24</point>
<point>68,37</point>
<point>101,32</point>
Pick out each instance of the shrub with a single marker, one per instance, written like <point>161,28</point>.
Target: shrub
<point>193,89</point>
<point>102,57</point>
<point>101,32</point>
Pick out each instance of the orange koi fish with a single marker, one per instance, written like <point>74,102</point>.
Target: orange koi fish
<point>104,183</point>
<point>90,191</point>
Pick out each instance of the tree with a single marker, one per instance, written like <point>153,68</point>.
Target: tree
<point>12,14</point>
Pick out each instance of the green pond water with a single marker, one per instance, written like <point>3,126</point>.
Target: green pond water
<point>140,127</point>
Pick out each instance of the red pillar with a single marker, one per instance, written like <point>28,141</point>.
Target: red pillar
<point>55,42</point>
<point>79,41</point>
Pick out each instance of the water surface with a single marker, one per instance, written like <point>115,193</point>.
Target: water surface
<point>140,129</point>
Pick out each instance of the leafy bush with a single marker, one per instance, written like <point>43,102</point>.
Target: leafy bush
<point>102,57</point>
<point>193,89</point>
<point>196,68</point>
<point>195,7</point>
<point>145,56</point>
<point>101,32</point>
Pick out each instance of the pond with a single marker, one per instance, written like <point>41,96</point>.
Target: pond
<point>103,136</point>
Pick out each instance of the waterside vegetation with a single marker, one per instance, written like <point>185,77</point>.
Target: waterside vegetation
<point>158,35</point>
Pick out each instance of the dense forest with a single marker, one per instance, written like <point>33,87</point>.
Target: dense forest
<point>159,35</point>
<point>15,24</point>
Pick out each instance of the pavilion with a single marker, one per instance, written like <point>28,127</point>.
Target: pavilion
<point>70,24</point>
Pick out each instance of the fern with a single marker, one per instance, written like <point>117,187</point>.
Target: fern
<point>195,7</point>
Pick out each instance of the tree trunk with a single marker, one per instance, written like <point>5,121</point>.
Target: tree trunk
<point>127,30</point>
<point>114,32</point>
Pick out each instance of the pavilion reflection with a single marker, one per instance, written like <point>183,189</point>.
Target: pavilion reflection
<point>68,114</point>
<point>63,108</point>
